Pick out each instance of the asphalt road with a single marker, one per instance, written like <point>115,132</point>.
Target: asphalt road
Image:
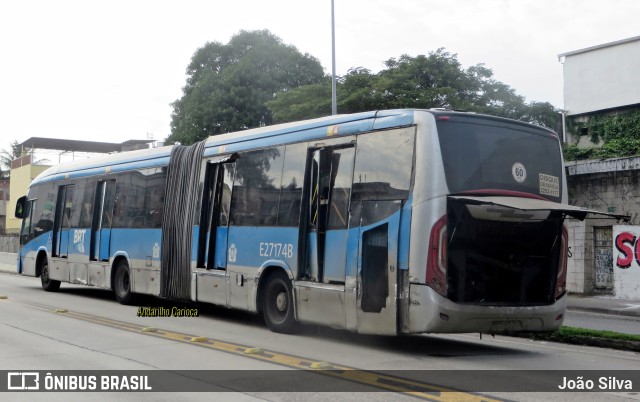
<point>81,328</point>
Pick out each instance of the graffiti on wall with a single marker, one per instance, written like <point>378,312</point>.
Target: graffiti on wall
<point>604,268</point>
<point>603,257</point>
<point>626,247</point>
<point>626,261</point>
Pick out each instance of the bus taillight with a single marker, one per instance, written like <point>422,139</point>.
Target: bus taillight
<point>437,257</point>
<point>561,282</point>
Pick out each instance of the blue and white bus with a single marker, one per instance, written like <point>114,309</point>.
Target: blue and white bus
<point>387,222</point>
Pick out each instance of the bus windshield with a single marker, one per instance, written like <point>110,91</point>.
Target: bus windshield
<point>481,154</point>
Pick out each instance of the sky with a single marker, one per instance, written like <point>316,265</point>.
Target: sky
<point>108,70</point>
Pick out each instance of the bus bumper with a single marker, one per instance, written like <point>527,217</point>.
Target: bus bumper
<point>430,312</point>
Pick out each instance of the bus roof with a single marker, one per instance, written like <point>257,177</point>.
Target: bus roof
<point>263,136</point>
<point>445,113</point>
<point>301,131</point>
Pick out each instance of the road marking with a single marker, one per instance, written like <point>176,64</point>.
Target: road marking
<point>386,382</point>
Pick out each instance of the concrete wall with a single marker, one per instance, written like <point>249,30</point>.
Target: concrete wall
<point>9,244</point>
<point>8,259</point>
<point>602,77</point>
<point>609,186</point>
<point>580,259</point>
<point>626,271</point>
<point>581,263</point>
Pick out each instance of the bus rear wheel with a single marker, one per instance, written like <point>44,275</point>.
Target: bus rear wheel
<point>48,284</point>
<point>277,303</point>
<point>122,283</point>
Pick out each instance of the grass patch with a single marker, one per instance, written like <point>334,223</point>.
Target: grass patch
<point>589,337</point>
<point>572,331</point>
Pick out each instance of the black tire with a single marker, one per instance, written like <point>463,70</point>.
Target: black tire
<point>48,284</point>
<point>277,303</point>
<point>122,283</point>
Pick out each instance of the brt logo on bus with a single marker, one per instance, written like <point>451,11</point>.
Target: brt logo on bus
<point>78,240</point>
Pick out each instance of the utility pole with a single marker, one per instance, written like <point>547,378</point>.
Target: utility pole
<point>334,105</point>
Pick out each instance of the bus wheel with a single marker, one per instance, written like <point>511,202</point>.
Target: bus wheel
<point>277,303</point>
<point>48,284</point>
<point>122,283</point>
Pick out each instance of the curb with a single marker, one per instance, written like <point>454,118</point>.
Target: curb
<point>8,270</point>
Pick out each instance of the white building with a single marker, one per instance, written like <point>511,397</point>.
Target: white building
<point>601,81</point>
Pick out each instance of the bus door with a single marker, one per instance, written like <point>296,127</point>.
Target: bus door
<point>330,174</point>
<point>102,220</point>
<point>378,261</point>
<point>28,231</point>
<point>62,220</point>
<point>213,229</point>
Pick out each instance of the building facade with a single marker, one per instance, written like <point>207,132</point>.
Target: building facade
<point>602,114</point>
<point>4,203</point>
<point>22,173</point>
<point>26,168</point>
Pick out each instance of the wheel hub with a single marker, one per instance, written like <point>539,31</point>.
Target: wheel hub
<point>281,301</point>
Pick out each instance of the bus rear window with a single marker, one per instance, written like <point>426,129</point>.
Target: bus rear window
<point>482,154</point>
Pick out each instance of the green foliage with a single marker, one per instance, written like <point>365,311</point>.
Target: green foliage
<point>437,80</point>
<point>256,80</point>
<point>573,153</point>
<point>310,101</point>
<point>590,337</point>
<point>615,148</point>
<point>7,156</point>
<point>229,85</point>
<point>620,134</point>
<point>573,331</point>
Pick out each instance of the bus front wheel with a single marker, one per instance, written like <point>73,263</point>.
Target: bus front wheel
<point>122,283</point>
<point>277,303</point>
<point>48,284</point>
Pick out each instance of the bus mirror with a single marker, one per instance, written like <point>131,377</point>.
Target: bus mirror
<point>20,207</point>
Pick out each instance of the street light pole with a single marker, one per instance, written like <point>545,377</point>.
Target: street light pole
<point>334,105</point>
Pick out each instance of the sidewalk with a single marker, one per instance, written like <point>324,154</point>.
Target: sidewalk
<point>594,304</point>
<point>8,262</point>
<point>604,305</point>
<point>7,268</point>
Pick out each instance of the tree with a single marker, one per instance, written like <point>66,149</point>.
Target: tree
<point>7,156</point>
<point>436,80</point>
<point>229,85</point>
<point>304,102</point>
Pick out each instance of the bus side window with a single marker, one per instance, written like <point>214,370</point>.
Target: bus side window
<point>43,210</point>
<point>26,232</point>
<point>395,149</point>
<point>66,216</point>
<point>256,188</point>
<point>86,198</point>
<point>225,197</point>
<point>292,180</point>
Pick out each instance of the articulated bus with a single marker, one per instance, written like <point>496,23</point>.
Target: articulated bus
<point>387,222</point>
